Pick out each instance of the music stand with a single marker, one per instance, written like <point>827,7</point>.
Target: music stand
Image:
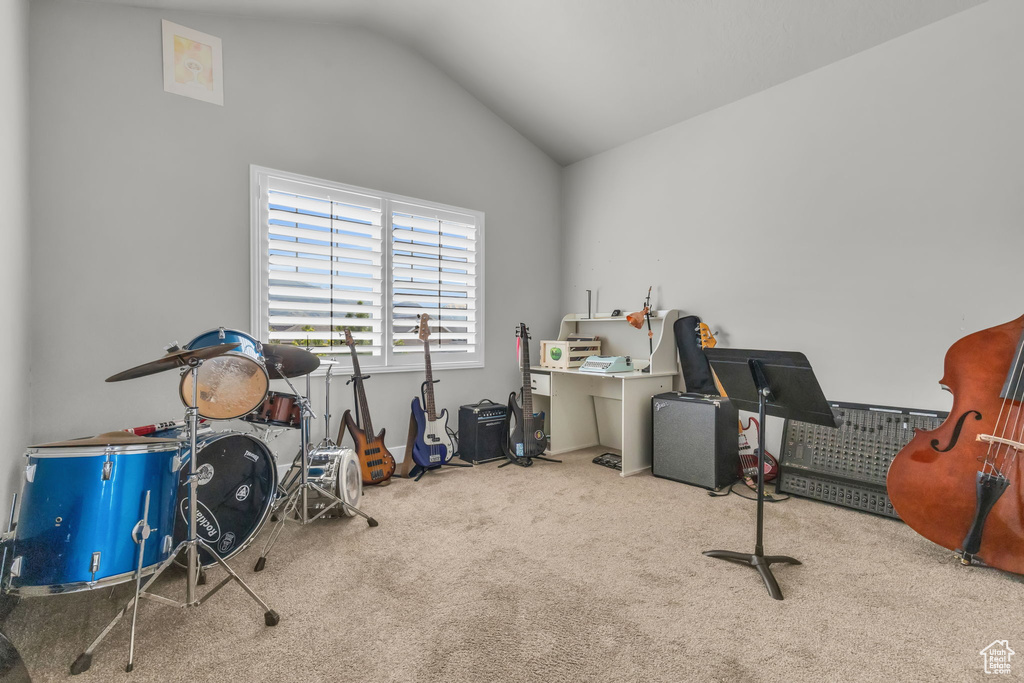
<point>779,383</point>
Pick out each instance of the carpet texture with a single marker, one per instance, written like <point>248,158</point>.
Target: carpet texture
<point>560,572</point>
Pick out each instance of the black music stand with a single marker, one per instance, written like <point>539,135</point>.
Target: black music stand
<point>779,383</point>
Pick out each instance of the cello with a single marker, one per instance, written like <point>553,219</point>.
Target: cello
<point>961,485</point>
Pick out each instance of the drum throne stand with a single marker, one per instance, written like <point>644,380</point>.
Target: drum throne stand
<point>297,501</point>
<point>191,546</point>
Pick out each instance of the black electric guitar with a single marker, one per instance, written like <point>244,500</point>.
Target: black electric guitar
<point>526,437</point>
<point>375,461</point>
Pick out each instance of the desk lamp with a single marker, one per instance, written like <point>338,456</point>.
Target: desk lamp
<point>637,321</point>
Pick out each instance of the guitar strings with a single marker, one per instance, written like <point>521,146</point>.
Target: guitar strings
<point>996,451</point>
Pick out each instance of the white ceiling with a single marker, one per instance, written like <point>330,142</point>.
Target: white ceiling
<point>578,77</point>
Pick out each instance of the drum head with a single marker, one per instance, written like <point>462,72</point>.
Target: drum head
<point>350,481</point>
<point>237,483</point>
<point>230,386</point>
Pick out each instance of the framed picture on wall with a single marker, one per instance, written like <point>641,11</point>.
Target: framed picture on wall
<point>192,64</point>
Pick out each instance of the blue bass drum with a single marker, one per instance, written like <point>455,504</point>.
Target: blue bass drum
<point>230,385</point>
<point>81,501</point>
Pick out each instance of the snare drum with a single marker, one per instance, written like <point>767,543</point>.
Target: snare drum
<point>232,384</point>
<point>337,471</point>
<point>80,502</point>
<point>278,409</point>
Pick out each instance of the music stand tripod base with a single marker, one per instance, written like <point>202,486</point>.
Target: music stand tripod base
<point>778,383</point>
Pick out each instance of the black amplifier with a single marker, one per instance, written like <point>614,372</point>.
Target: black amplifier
<point>694,439</point>
<point>848,465</point>
<point>482,430</point>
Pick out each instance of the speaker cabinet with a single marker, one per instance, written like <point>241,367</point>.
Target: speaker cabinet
<point>695,439</point>
<point>482,429</point>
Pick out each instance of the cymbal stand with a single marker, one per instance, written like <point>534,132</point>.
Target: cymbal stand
<point>327,441</point>
<point>191,546</point>
<point>297,502</point>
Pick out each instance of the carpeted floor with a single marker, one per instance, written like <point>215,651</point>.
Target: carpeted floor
<point>559,572</point>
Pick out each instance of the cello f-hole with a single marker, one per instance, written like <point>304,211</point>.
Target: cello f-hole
<point>956,432</point>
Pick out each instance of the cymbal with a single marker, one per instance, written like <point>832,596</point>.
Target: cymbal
<point>294,361</point>
<point>172,360</point>
<point>107,439</point>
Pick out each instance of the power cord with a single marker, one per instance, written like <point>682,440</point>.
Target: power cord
<point>768,498</point>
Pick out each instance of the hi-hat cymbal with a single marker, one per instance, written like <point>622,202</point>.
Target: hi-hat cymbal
<point>294,361</point>
<point>172,360</point>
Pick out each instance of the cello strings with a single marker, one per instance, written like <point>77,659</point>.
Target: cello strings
<point>999,451</point>
<point>1008,452</point>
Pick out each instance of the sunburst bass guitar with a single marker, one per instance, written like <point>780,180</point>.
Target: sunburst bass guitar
<point>375,461</point>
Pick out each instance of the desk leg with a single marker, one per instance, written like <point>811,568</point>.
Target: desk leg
<point>636,421</point>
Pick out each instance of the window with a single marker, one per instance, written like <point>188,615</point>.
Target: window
<point>329,257</point>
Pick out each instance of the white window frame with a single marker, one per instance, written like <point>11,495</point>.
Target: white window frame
<point>388,361</point>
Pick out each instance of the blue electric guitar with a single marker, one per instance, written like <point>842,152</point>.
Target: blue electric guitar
<point>433,447</point>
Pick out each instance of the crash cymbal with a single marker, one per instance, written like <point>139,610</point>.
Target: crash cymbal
<point>177,359</point>
<point>108,439</point>
<point>294,361</point>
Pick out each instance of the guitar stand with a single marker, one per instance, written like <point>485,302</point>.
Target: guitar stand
<point>529,460</point>
<point>297,502</point>
<point>791,374</point>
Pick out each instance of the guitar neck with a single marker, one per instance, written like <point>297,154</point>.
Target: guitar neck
<point>527,386</point>
<point>431,409</point>
<point>364,410</point>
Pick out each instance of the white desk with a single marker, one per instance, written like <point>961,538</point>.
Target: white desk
<point>577,418</point>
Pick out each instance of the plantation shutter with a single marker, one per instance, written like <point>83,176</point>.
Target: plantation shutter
<point>324,267</point>
<point>435,270</point>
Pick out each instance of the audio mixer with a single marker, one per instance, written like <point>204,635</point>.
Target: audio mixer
<point>847,465</point>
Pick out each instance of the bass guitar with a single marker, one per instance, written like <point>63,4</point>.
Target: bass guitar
<point>748,455</point>
<point>433,447</point>
<point>526,439</point>
<point>375,461</point>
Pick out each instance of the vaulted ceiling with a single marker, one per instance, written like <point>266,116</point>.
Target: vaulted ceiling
<point>578,77</point>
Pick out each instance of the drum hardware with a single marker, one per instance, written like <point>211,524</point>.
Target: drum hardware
<point>297,500</point>
<point>191,545</point>
<point>139,535</point>
<point>327,441</point>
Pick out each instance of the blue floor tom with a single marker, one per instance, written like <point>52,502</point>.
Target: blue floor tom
<point>81,501</point>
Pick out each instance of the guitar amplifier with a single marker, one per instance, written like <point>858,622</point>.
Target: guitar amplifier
<point>482,430</point>
<point>695,439</point>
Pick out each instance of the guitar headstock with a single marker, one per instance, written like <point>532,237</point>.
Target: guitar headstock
<point>523,332</point>
<point>348,339</point>
<point>707,340</point>
<point>424,327</point>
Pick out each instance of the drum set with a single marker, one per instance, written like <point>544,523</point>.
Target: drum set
<point>118,507</point>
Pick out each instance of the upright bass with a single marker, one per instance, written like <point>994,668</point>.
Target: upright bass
<point>962,485</point>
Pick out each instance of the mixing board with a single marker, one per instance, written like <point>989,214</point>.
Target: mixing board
<point>847,465</point>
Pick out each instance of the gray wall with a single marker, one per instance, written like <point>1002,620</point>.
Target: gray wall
<point>14,271</point>
<point>140,209</point>
<point>868,213</point>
